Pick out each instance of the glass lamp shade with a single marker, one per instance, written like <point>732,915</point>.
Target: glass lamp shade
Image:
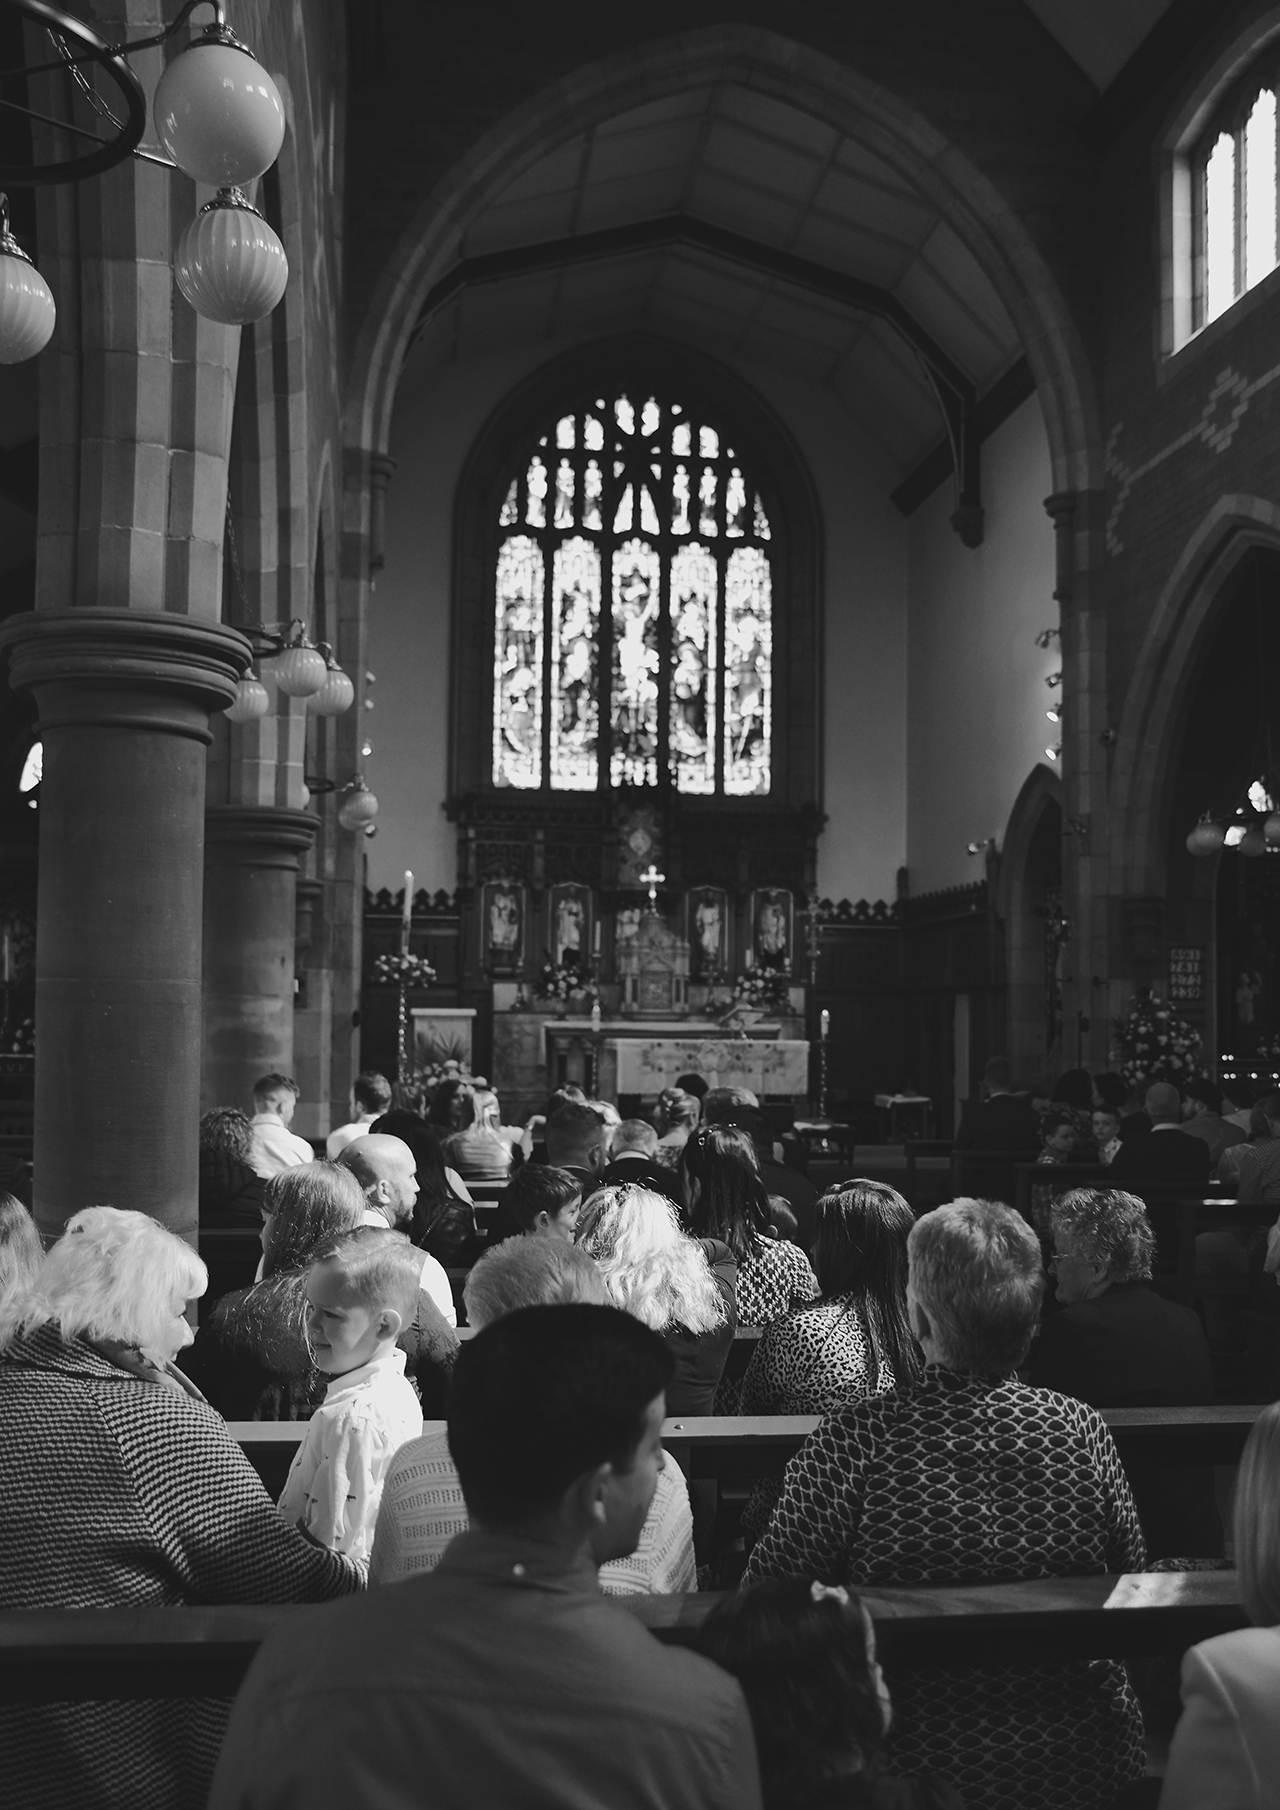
<point>250,702</point>
<point>335,695</point>
<point>300,672</point>
<point>1271,829</point>
<point>1252,843</point>
<point>1206,838</point>
<point>230,265</point>
<point>27,312</point>
<point>218,113</point>
<point>358,808</point>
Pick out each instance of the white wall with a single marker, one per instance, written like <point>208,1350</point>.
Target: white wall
<point>976,722</point>
<point>439,411</point>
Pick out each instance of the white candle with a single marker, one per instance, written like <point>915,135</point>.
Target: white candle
<point>595,941</point>
<point>825,1022</point>
<point>408,898</point>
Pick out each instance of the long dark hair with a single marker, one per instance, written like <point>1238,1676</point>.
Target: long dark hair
<point>1074,1087</point>
<point>861,1249</point>
<point>309,1202</point>
<point>732,1201</point>
<point>435,1195</point>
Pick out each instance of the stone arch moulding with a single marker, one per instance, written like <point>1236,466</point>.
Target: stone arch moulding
<point>789,72</point>
<point>1151,720</point>
<point>790,498</point>
<point>1041,788</point>
<point>1024,934</point>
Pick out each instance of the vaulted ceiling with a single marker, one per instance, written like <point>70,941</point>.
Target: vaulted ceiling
<point>738,160</point>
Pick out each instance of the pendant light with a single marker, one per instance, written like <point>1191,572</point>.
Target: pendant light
<point>359,806</point>
<point>217,112</point>
<point>229,264</point>
<point>250,702</point>
<point>27,311</point>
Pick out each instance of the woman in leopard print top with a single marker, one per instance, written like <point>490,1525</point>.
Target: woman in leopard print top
<point>726,1199</point>
<point>968,1477</point>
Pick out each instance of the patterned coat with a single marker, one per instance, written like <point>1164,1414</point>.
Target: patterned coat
<point>971,1479</point>
<point>120,1491</point>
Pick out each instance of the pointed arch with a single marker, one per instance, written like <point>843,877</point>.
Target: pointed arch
<point>1033,832</point>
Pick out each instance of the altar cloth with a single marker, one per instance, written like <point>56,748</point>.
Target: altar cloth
<point>646,1065</point>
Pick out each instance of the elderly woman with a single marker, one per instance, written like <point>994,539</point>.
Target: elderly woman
<point>20,1250</point>
<point>1117,1344</point>
<point>679,1287</point>
<point>122,1487</point>
<point>964,1477</point>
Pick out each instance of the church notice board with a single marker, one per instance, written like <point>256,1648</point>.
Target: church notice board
<point>646,1065</point>
<point>1186,973</point>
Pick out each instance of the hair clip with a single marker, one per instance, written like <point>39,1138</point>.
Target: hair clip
<point>821,1593</point>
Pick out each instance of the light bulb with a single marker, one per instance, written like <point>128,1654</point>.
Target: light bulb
<point>229,264</point>
<point>218,113</point>
<point>358,807</point>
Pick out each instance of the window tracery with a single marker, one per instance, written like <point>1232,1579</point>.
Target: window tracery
<point>1237,194</point>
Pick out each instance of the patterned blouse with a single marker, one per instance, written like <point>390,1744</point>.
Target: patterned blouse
<point>775,1279</point>
<point>970,1479</point>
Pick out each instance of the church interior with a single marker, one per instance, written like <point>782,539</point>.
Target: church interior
<point>736,541</point>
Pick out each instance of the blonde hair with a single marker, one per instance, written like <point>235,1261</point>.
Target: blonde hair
<point>379,1269</point>
<point>20,1248</point>
<point>112,1275</point>
<point>651,1269</point>
<point>1257,1520</point>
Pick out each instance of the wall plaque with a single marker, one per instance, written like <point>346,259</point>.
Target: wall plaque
<point>1186,973</point>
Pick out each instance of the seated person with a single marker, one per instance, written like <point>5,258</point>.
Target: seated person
<point>1260,1171</point>
<point>1236,1158</point>
<point>503,1677</point>
<point>964,1476</point>
<point>477,1150</point>
<point>676,1117</point>
<point>633,1153</point>
<point>726,1201</point>
<point>697,1085</point>
<point>534,1142</point>
<point>538,1202</point>
<point>275,1147</point>
<point>123,1488</point>
<point>1226,1747</point>
<point>1167,1156</point>
<point>21,1252</point>
<point>577,1139</point>
<point>1001,1119</point>
<point>444,1218</point>
<point>1106,1132</point>
<point>386,1171</point>
<point>779,1178</point>
<point>230,1186</point>
<point>1202,1118</point>
<point>422,1504</point>
<point>370,1098</point>
<point>1118,1344</point>
<point>805,1656</point>
<point>361,1292</point>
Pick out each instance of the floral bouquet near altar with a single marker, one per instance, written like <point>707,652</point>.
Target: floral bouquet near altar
<point>409,970</point>
<point>1155,1044</point>
<point>559,979</point>
<point>764,989</point>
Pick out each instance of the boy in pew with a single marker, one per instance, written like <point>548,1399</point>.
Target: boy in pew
<point>361,1291</point>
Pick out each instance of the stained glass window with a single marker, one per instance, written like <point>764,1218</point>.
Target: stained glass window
<point>633,616</point>
<point>1238,196</point>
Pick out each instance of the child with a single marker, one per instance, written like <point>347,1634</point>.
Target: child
<point>1059,1134</point>
<point>1106,1132</point>
<point>361,1291</point>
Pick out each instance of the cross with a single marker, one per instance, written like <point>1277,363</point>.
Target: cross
<point>653,880</point>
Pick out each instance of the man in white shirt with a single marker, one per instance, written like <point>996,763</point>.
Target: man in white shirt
<point>275,1147</point>
<point>370,1098</point>
<point>386,1170</point>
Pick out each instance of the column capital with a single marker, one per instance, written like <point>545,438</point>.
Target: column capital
<point>268,835</point>
<point>139,669</point>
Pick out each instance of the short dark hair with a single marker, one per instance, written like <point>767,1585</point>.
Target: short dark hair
<point>544,1395</point>
<point>721,1105</point>
<point>800,1655</point>
<point>1202,1088</point>
<point>372,1091</point>
<point>538,1188</point>
<point>697,1085</point>
<point>275,1083</point>
<point>570,1128</point>
<point>228,1130</point>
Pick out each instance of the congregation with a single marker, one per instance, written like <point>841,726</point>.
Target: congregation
<point>961,1442</point>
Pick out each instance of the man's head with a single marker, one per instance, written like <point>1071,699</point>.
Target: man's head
<point>974,1283</point>
<point>361,1292</point>
<point>371,1092</point>
<point>544,1202</point>
<point>997,1076</point>
<point>555,1423</point>
<point>577,1138</point>
<point>1163,1103</point>
<point>276,1093</point>
<point>634,1137</point>
<point>386,1171</point>
<point>697,1085</point>
<point>723,1104</point>
<point>531,1272</point>
<point>1201,1095</point>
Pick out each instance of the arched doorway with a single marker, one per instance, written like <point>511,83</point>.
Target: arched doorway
<point>1030,902</point>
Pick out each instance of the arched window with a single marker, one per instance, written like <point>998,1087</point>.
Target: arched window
<point>1234,193</point>
<point>633,604</point>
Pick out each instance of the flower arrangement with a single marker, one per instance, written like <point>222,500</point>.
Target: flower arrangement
<point>403,970</point>
<point>559,979</point>
<point>441,1062</point>
<point>1155,1044</point>
<point>763,989</point>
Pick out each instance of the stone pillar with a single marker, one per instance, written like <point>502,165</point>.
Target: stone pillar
<point>250,907</point>
<point>124,702</point>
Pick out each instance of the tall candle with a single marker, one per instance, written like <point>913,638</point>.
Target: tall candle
<point>595,941</point>
<point>825,1022</point>
<point>406,921</point>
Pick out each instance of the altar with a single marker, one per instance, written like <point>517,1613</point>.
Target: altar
<point>646,1065</point>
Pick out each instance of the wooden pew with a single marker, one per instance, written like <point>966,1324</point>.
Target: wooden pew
<point>740,1448</point>
<point>119,1655</point>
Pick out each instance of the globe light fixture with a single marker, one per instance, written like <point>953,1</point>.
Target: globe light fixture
<point>1253,843</point>
<point>335,695</point>
<point>250,702</point>
<point>359,806</point>
<point>27,312</point>
<point>1207,837</point>
<point>1271,829</point>
<point>217,112</point>
<point>229,264</point>
<point>300,671</point>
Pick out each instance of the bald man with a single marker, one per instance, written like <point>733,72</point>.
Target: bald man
<point>387,1173</point>
<point>1168,1156</point>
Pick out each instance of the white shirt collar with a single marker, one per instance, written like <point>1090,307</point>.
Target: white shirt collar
<point>1164,1125</point>
<point>390,1363</point>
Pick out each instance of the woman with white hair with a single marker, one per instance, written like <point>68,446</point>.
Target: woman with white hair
<point>677,1285</point>
<point>121,1486</point>
<point>964,1477</point>
<point>1226,1747</point>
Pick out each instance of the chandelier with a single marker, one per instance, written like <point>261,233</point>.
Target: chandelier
<point>220,118</point>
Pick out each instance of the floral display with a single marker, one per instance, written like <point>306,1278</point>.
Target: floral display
<point>1155,1044</point>
<point>765,989</point>
<point>559,979</point>
<point>403,970</point>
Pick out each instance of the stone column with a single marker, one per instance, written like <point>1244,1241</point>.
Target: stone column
<point>124,698</point>
<point>250,906</point>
